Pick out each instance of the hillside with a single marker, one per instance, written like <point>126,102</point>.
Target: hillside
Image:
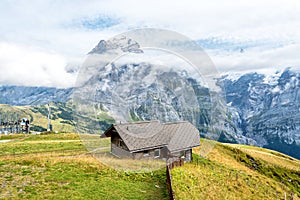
<point>57,166</point>
<point>234,171</point>
<point>62,117</point>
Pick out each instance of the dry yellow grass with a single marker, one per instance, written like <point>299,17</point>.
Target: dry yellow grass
<point>56,166</point>
<point>130,165</point>
<point>270,156</point>
<point>221,176</point>
<point>227,160</point>
<point>212,182</point>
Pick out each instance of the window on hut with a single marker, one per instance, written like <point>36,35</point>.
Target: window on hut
<point>146,153</point>
<point>121,144</point>
<point>182,154</point>
<point>157,153</point>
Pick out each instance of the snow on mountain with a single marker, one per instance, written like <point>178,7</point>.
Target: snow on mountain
<point>268,107</point>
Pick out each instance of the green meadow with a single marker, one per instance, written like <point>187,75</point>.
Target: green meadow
<point>58,166</point>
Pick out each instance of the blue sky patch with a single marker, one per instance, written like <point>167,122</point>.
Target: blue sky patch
<point>97,23</point>
<point>231,45</point>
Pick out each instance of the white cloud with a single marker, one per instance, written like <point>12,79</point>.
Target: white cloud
<point>54,27</point>
<point>29,66</point>
<point>257,59</point>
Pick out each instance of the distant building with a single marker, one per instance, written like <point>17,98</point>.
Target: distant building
<point>152,139</point>
<point>25,125</point>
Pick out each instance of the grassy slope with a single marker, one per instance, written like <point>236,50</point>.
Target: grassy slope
<point>38,116</point>
<point>238,172</point>
<point>57,167</point>
<point>62,118</point>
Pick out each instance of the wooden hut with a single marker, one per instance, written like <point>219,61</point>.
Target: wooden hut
<point>153,140</point>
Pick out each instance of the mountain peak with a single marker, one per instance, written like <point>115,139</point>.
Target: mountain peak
<point>119,43</point>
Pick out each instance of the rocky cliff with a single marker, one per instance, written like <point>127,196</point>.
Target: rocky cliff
<point>266,109</point>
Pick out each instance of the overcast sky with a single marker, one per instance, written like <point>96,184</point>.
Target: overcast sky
<point>42,42</point>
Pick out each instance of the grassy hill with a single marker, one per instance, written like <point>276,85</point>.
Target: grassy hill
<point>234,171</point>
<point>57,166</point>
<point>62,117</point>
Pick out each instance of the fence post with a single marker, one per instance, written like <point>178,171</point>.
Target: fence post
<point>169,183</point>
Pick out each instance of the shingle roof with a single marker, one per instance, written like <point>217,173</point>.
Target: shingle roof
<point>150,134</point>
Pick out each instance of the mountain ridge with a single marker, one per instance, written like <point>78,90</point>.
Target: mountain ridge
<point>258,109</point>
<point>33,95</point>
<point>267,111</point>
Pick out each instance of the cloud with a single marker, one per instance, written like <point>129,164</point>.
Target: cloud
<point>257,59</point>
<point>29,66</point>
<point>62,32</point>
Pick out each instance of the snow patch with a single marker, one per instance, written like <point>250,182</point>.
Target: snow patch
<point>232,76</point>
<point>275,90</point>
<point>229,104</point>
<point>272,79</point>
